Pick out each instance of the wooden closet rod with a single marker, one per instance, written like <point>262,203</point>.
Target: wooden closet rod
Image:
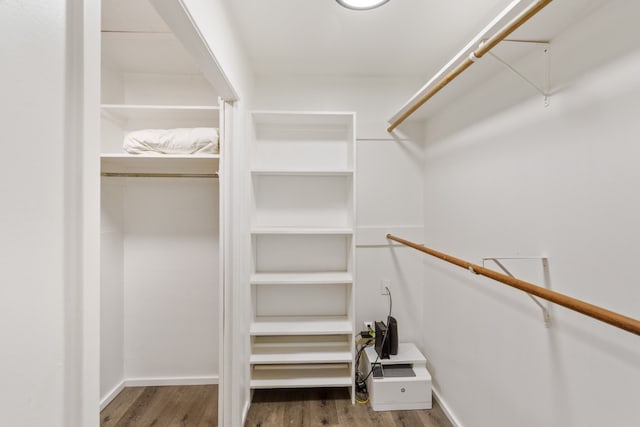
<point>623,322</point>
<point>485,47</point>
<point>159,175</point>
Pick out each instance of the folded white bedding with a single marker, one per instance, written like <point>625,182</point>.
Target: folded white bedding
<point>172,141</point>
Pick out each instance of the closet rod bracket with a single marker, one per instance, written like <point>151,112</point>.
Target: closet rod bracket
<point>545,268</point>
<point>546,73</point>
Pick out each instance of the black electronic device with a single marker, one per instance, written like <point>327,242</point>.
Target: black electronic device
<point>382,340</point>
<point>392,338</point>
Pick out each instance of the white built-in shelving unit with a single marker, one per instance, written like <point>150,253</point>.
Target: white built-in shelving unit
<point>302,226</point>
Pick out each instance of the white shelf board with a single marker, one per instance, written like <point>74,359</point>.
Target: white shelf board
<point>132,157</point>
<point>292,378</point>
<point>268,172</point>
<point>302,230</point>
<point>300,356</point>
<point>279,344</point>
<point>124,112</point>
<point>295,325</point>
<point>407,353</point>
<point>167,163</point>
<point>292,118</point>
<point>320,278</point>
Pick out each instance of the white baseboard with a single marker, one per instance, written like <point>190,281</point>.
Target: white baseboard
<point>245,411</point>
<point>111,395</point>
<point>446,409</point>
<point>156,382</point>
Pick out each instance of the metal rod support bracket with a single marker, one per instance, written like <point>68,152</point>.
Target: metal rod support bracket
<point>546,84</point>
<point>545,268</point>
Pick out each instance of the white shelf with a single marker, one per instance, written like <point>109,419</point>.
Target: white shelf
<point>298,325</point>
<point>302,343</point>
<point>302,376</point>
<point>320,278</point>
<point>407,353</point>
<point>302,357</point>
<point>125,112</point>
<point>126,157</point>
<point>267,172</point>
<point>321,119</point>
<point>169,163</point>
<point>301,349</point>
<point>303,230</point>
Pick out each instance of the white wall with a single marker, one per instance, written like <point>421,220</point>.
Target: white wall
<point>111,287</point>
<point>560,182</point>
<point>47,358</point>
<point>32,294</point>
<point>168,89</point>
<point>159,290</point>
<point>388,185</point>
<point>171,279</point>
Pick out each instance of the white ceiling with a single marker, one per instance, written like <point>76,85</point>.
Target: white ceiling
<point>401,38</point>
<point>404,38</point>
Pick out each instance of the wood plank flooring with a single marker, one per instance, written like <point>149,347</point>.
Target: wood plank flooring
<point>163,407</point>
<point>332,408</point>
<point>198,406</point>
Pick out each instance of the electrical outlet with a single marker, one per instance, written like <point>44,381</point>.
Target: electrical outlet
<point>384,284</point>
<point>368,325</point>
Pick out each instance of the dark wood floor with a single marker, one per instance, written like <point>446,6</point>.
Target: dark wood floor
<point>333,408</point>
<point>163,407</point>
<point>198,406</point>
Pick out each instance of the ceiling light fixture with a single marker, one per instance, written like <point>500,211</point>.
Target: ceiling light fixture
<point>361,4</point>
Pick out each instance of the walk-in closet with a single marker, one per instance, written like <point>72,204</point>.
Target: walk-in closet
<point>160,203</point>
<point>252,213</point>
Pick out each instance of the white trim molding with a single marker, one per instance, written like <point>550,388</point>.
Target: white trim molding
<point>156,382</point>
<point>446,408</point>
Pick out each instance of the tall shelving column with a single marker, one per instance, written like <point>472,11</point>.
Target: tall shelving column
<point>303,222</point>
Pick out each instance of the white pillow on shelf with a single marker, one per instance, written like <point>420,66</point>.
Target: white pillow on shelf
<point>172,141</point>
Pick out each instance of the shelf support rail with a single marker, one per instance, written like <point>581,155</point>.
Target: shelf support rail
<point>545,265</point>
<point>618,320</point>
<point>158,175</point>
<point>474,56</point>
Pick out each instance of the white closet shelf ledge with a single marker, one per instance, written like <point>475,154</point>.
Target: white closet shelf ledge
<point>277,378</point>
<point>267,172</point>
<point>298,325</point>
<point>303,230</point>
<point>126,156</point>
<point>315,278</point>
<point>170,163</point>
<point>301,357</point>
